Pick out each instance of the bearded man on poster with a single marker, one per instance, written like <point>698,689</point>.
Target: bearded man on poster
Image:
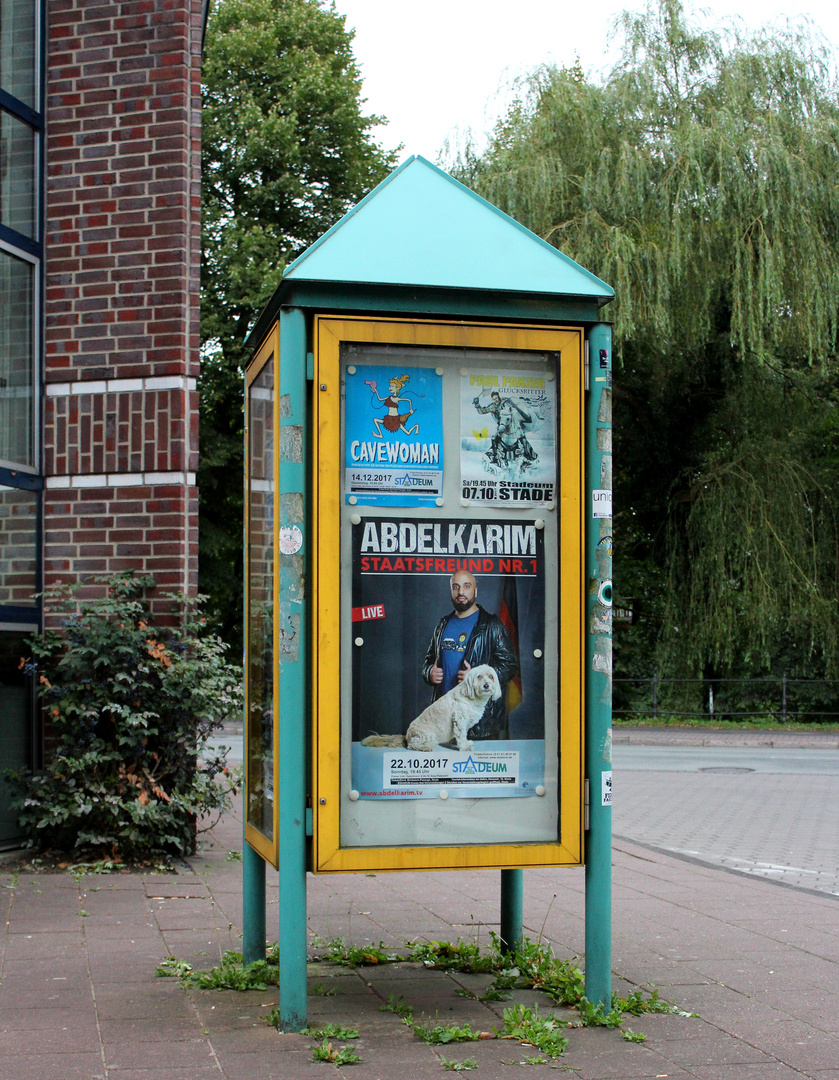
<point>464,638</point>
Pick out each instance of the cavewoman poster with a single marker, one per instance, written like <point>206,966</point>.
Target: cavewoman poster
<point>434,604</point>
<point>394,435</point>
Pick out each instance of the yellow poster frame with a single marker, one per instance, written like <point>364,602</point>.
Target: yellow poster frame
<point>328,856</point>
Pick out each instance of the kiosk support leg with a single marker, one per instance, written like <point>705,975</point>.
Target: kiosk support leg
<point>598,754</point>
<point>253,905</point>
<point>292,666</point>
<point>512,892</point>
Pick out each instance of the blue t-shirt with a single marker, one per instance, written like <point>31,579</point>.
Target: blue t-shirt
<point>456,636</point>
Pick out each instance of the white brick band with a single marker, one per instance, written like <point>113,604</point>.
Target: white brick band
<point>105,480</point>
<point>121,386</point>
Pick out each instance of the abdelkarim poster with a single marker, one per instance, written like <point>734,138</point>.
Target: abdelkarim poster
<point>436,604</point>
<point>393,451</point>
<point>508,437</point>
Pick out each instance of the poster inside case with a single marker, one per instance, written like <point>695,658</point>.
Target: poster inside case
<point>381,793</point>
<point>508,436</point>
<point>448,658</point>
<point>394,435</point>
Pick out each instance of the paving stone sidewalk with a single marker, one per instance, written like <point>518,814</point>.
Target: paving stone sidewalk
<point>80,1000</point>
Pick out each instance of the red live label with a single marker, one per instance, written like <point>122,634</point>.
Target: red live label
<point>364,614</point>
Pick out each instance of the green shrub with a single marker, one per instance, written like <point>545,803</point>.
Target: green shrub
<point>130,706</point>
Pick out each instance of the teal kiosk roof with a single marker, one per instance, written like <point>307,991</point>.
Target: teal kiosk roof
<point>423,242</point>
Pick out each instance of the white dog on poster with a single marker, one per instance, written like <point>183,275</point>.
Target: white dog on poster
<point>450,716</point>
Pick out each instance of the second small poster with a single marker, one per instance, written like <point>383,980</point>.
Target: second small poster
<point>508,437</point>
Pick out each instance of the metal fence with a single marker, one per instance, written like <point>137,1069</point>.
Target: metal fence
<point>782,698</point>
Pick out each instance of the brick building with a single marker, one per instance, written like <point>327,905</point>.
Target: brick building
<point>99,310</point>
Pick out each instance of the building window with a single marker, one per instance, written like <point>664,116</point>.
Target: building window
<point>18,50</point>
<point>21,230</point>
<point>17,360</point>
<point>18,546</point>
<point>18,170</point>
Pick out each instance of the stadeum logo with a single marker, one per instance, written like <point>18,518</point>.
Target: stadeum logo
<point>475,768</point>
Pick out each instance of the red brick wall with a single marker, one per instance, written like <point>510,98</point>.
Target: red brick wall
<point>121,285</point>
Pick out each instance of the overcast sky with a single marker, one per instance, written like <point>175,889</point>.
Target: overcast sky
<point>435,67</point>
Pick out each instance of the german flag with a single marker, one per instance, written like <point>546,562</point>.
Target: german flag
<point>509,615</point>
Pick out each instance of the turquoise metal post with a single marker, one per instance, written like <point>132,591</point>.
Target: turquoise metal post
<point>253,905</point>
<point>512,894</point>
<point>292,668</point>
<point>598,682</point>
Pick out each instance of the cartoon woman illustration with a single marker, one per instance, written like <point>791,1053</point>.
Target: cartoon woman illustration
<point>394,421</point>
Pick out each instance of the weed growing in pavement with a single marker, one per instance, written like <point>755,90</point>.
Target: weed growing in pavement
<point>531,965</point>
<point>339,952</point>
<point>451,956</point>
<point>231,973</point>
<point>99,866</point>
<point>403,1011</point>
<point>442,1034</point>
<point>595,1015</point>
<point>330,1031</point>
<point>341,1056</point>
<point>320,990</point>
<point>458,1066</point>
<point>633,1036</point>
<point>526,1025</point>
<point>171,967</point>
<point>234,856</point>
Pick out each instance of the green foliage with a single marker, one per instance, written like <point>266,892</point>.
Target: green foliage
<point>403,1011</point>
<point>458,1066</point>
<point>442,1034</point>
<point>230,974</point>
<point>330,1031</point>
<point>173,968</point>
<point>633,1036</point>
<point>343,1055</point>
<point>596,1015</point>
<point>448,955</point>
<point>526,1025</point>
<point>339,952</point>
<point>533,965</point>
<point>683,179</point>
<point>637,1005</point>
<point>698,177</point>
<point>130,706</point>
<point>287,150</point>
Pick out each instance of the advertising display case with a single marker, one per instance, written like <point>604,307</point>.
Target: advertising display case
<point>448,547</point>
<point>428,564</point>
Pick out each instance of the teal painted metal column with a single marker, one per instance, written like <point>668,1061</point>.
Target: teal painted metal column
<point>253,905</point>
<point>598,726</point>
<point>292,655</point>
<point>512,895</point>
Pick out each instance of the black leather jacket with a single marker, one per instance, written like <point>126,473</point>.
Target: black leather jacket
<point>487,644</point>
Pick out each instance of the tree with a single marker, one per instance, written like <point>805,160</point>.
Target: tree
<point>287,150</point>
<point>699,179</point>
